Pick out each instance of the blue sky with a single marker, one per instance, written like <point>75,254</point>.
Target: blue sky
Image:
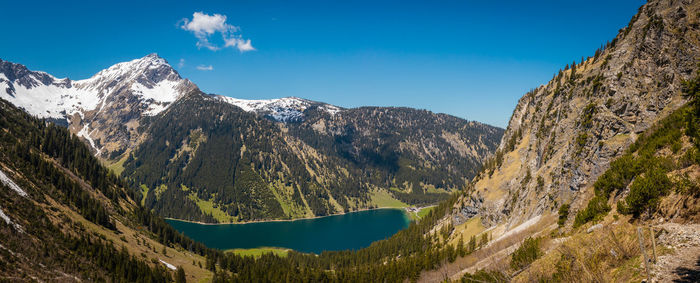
<point>471,59</point>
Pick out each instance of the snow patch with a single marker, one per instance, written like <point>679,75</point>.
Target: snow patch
<point>85,133</point>
<point>8,182</point>
<point>162,93</point>
<point>51,101</point>
<point>9,221</point>
<point>168,265</point>
<point>281,109</point>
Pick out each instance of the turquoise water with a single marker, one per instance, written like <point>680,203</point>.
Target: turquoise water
<point>354,230</point>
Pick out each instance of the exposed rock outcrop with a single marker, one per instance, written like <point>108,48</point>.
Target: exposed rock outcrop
<point>564,134</point>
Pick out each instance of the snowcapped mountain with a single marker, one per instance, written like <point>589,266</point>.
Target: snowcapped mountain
<point>150,78</point>
<point>161,130</point>
<point>107,108</point>
<point>287,109</point>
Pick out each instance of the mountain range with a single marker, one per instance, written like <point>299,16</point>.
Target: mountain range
<point>215,158</point>
<point>596,178</point>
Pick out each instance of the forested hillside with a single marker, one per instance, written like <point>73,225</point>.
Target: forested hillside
<point>205,159</point>
<point>215,158</point>
<point>67,218</point>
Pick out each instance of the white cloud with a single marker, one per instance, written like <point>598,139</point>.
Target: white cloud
<point>181,63</point>
<point>242,44</point>
<point>205,68</point>
<point>203,26</point>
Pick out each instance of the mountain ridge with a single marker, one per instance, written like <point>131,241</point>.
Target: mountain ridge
<point>331,159</point>
<point>150,80</point>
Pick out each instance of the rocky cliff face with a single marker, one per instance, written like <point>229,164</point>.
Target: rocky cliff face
<point>564,134</point>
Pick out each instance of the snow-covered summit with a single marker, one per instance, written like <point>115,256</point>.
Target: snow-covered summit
<point>287,109</point>
<point>107,108</point>
<point>150,78</point>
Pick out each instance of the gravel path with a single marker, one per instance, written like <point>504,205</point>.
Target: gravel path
<point>683,264</point>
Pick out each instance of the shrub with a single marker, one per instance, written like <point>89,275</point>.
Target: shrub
<point>484,276</point>
<point>581,139</point>
<point>527,178</point>
<point>587,115</point>
<point>528,252</point>
<point>645,192</point>
<point>563,214</point>
<point>684,185</point>
<point>620,174</point>
<point>597,208</point>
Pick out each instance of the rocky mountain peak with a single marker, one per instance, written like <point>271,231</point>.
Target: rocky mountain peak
<point>19,74</point>
<point>148,71</point>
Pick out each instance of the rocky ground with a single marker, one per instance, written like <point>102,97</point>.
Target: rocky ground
<point>682,264</point>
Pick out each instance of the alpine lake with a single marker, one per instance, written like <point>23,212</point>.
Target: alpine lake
<point>350,231</point>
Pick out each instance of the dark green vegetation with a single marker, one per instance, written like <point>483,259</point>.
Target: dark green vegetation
<point>644,170</point>
<point>74,249</point>
<point>528,252</point>
<point>204,152</point>
<point>563,214</point>
<point>350,231</point>
<point>48,157</point>
<point>484,276</point>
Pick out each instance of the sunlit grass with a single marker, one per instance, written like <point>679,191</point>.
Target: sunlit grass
<point>257,252</point>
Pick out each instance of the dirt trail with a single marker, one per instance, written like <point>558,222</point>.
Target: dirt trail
<point>683,264</point>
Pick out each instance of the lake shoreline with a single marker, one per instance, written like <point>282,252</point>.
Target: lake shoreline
<point>405,209</point>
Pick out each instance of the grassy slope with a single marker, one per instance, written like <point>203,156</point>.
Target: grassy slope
<point>207,207</point>
<point>257,252</point>
<point>424,211</point>
<point>139,243</point>
<point>591,252</point>
<point>466,230</point>
<point>143,246</point>
<point>117,166</point>
<point>382,198</point>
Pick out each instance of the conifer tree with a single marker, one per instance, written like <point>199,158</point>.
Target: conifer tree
<point>180,275</point>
